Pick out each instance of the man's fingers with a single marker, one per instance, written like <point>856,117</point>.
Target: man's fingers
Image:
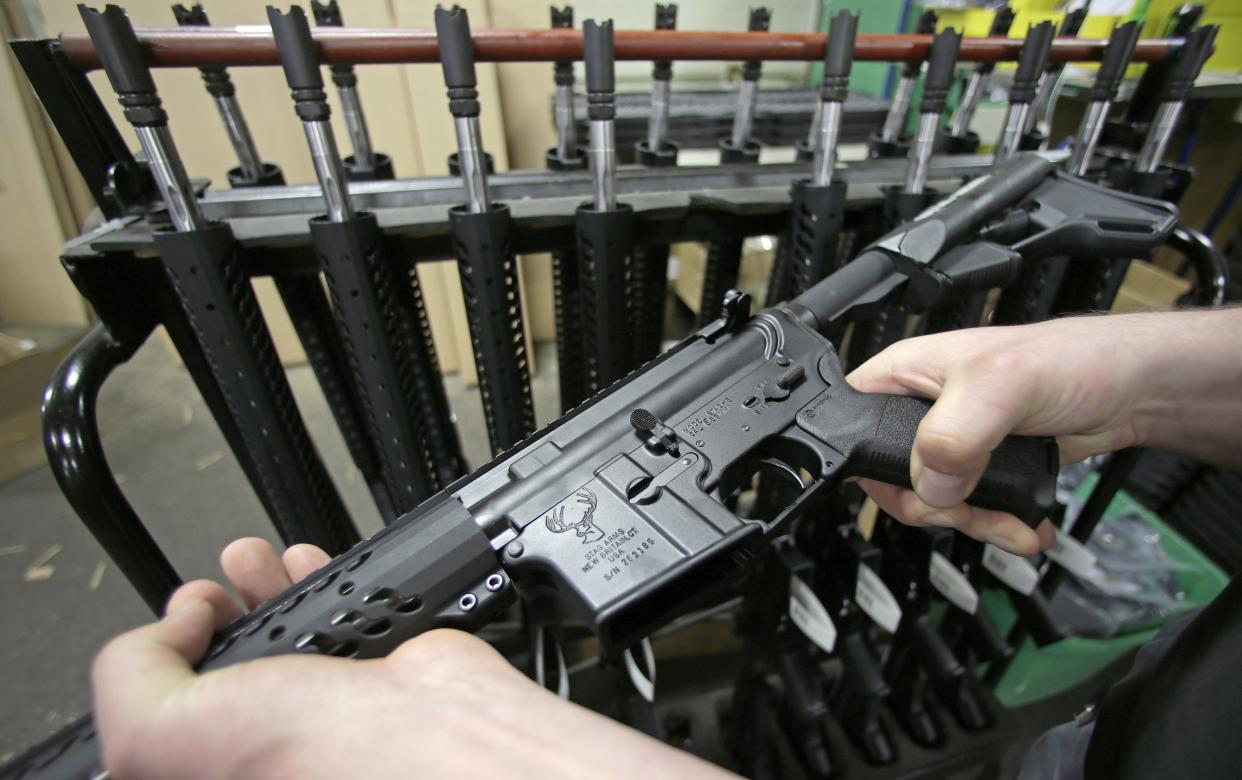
<point>1005,531</point>
<point>909,367</point>
<point>980,395</point>
<point>226,610</point>
<point>255,570</point>
<point>999,528</point>
<point>302,560</point>
<point>978,406</point>
<point>1047,534</point>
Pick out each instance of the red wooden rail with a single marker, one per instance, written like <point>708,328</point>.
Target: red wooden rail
<point>253,45</point>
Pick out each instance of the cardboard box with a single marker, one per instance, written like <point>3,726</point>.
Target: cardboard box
<point>688,260</point>
<point>25,367</point>
<point>35,213</point>
<point>1149,287</point>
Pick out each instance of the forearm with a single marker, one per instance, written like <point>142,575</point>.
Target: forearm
<point>1191,401</point>
<point>1098,384</point>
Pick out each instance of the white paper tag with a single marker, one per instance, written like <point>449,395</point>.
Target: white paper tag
<point>809,614</point>
<point>874,598</point>
<point>643,683</point>
<point>1013,570</point>
<point>952,584</point>
<point>1072,555</point>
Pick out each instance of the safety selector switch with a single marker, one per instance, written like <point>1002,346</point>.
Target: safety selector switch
<point>784,384</point>
<point>658,437</point>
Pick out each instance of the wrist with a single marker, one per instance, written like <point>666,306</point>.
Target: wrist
<point>1186,379</point>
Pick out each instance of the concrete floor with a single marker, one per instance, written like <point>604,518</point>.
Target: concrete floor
<point>174,467</point>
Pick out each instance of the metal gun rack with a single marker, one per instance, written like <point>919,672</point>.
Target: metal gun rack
<point>118,270</point>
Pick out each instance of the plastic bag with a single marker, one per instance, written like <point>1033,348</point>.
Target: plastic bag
<point>1132,586</point>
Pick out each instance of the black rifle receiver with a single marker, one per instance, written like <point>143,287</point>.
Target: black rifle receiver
<point>616,516</point>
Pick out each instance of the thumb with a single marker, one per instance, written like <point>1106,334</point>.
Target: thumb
<point>138,670</point>
<point>978,406</point>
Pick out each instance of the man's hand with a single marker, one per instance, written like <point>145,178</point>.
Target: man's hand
<point>1088,381</point>
<point>443,704</point>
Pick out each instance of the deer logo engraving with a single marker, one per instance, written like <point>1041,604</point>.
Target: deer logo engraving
<point>585,528</point>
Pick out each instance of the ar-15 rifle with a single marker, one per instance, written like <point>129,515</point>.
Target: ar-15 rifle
<point>615,517</point>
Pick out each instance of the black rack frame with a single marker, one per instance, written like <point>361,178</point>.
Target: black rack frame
<point>113,268</point>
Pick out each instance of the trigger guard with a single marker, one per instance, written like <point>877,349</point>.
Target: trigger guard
<point>830,460</point>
